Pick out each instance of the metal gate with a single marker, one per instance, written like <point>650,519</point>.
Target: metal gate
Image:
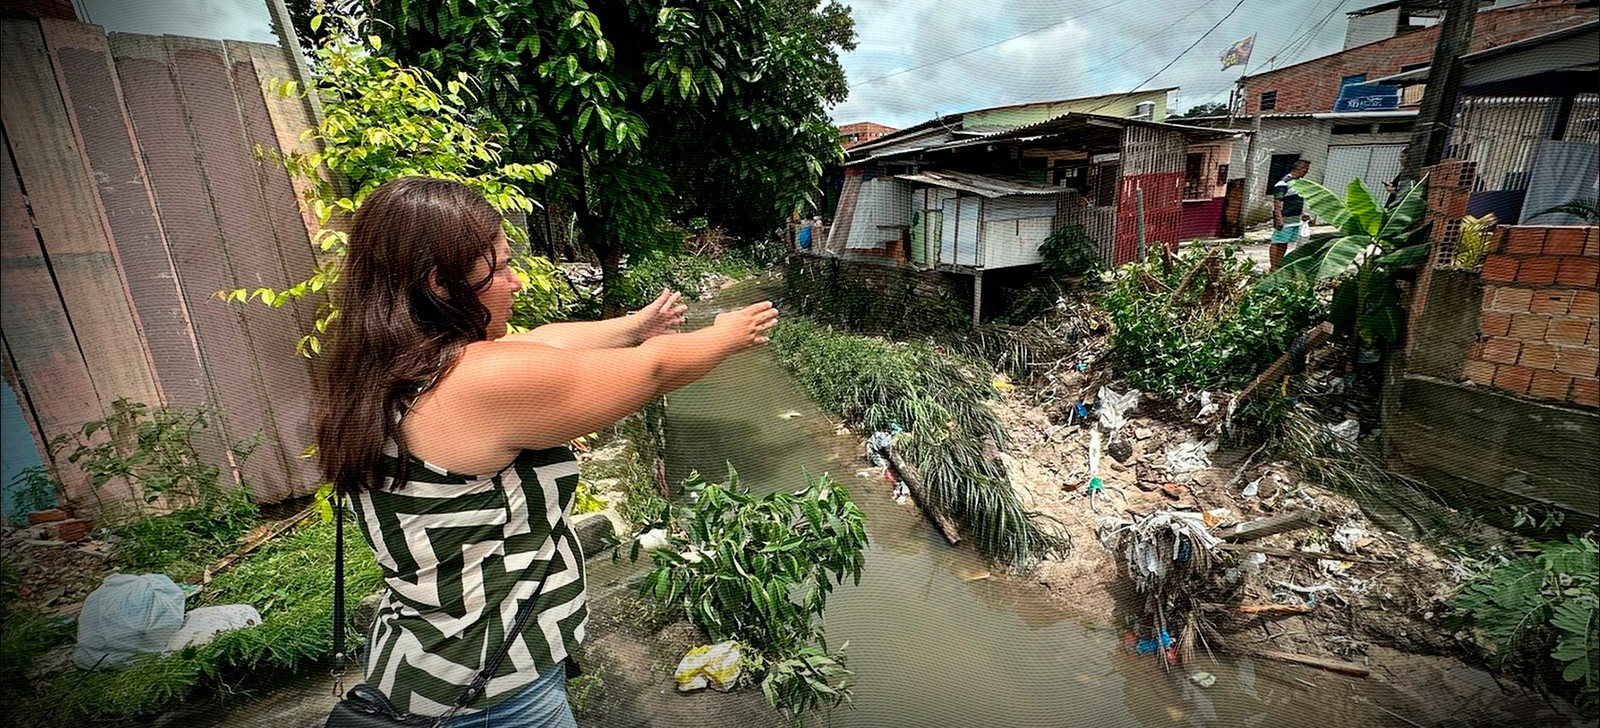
<point>1373,164</point>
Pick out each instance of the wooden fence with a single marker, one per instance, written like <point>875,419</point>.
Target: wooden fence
<point>133,190</point>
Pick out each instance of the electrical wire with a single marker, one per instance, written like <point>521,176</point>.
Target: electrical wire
<point>1170,63</point>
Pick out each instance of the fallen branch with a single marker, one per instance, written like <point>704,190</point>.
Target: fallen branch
<point>1314,339</point>
<point>1339,666</point>
<point>1293,554</point>
<point>913,479</point>
<point>1274,608</point>
<point>254,542</point>
<point>1265,527</point>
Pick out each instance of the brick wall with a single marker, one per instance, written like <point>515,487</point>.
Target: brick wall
<point>1538,323</point>
<point>1314,85</point>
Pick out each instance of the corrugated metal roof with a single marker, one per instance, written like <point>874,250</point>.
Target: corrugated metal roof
<point>977,184</point>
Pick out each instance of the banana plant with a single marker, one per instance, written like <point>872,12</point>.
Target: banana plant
<point>1372,245</point>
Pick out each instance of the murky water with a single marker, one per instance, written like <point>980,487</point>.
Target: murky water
<point>931,645</point>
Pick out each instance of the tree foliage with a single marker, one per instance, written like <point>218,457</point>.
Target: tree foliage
<point>650,111</point>
<point>1362,259</point>
<point>383,120</point>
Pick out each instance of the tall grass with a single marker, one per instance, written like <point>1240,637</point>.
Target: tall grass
<point>941,403</point>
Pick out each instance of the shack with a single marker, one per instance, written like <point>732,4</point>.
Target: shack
<point>974,201</point>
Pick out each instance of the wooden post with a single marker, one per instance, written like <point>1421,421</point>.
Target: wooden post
<point>913,479</point>
<point>1444,82</point>
<point>977,297</point>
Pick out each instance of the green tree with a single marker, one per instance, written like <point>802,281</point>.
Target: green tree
<point>1214,108</point>
<point>383,120</point>
<point>650,111</point>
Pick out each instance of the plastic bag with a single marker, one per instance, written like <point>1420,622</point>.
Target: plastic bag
<point>202,625</point>
<point>1114,408</point>
<point>716,666</point>
<point>128,616</point>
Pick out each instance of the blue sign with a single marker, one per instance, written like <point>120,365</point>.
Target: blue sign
<point>1367,97</point>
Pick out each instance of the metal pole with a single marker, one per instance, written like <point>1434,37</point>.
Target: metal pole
<point>1138,201</point>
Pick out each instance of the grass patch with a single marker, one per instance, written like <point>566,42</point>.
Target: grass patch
<point>941,403</point>
<point>290,581</point>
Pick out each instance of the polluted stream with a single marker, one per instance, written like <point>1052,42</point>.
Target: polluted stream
<point>935,639</point>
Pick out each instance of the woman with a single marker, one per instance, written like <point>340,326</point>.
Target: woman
<point>450,438</point>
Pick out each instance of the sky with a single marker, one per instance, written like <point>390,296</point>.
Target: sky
<point>1081,48</point>
<point>219,19</point>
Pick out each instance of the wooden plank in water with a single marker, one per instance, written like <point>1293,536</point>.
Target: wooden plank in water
<point>67,213</point>
<point>94,105</point>
<point>55,390</point>
<point>194,240</point>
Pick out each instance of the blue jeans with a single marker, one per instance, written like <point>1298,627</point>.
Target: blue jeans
<point>543,704</point>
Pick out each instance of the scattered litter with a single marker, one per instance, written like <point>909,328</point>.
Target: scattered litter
<point>1203,679</point>
<point>1002,383</point>
<point>127,616</point>
<point>1218,517</point>
<point>1113,408</point>
<point>714,666</point>
<point>1207,406</point>
<point>901,493</point>
<point>1119,450</point>
<point>1351,538</point>
<point>1190,456</point>
<point>1162,641</point>
<point>976,577</point>
<point>653,539</point>
<point>1345,433</point>
<point>863,473</point>
<point>203,624</point>
<point>1313,589</point>
<point>1163,538</point>
<point>1253,489</point>
<point>791,414</point>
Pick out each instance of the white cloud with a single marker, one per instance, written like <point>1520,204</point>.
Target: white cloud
<point>1085,47</point>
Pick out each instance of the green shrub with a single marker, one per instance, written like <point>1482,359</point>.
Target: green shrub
<point>1543,611</point>
<point>759,570</point>
<point>1069,253</point>
<point>827,293</point>
<point>1220,331</point>
<point>941,403</point>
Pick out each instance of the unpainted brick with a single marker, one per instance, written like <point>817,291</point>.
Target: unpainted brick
<point>1585,304</point>
<point>1591,244</point>
<point>1512,299</point>
<point>1537,355</point>
<point>1513,378</point>
<point>1586,391</point>
<point>1529,326</point>
<point>1568,330</point>
<point>1500,268</point>
<point>1478,372</point>
<point>1578,271</point>
<point>1501,351</point>
<point>1550,385</point>
<point>1495,323</point>
<point>1526,240</point>
<point>1564,240</point>
<point>1540,271</point>
<point>1579,361</point>
<point>1551,301</point>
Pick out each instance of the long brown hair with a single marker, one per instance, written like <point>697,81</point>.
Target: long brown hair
<point>412,239</point>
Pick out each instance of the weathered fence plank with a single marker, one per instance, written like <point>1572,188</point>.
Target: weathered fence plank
<point>94,105</point>
<point>56,392</point>
<point>290,116</point>
<point>151,97</point>
<point>52,168</point>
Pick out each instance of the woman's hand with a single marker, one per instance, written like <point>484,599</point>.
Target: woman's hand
<point>663,316</point>
<point>747,327</point>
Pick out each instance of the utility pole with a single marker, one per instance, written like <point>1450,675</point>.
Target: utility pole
<point>1432,129</point>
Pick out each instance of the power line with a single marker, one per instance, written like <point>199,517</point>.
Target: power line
<point>1304,39</point>
<point>986,46</point>
<point>1170,63</point>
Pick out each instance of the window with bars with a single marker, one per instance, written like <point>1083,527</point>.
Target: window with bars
<point>1269,100</point>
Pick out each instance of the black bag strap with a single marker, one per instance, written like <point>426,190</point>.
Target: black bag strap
<point>479,683</point>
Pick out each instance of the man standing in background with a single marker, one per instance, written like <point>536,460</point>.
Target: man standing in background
<point>1287,206</point>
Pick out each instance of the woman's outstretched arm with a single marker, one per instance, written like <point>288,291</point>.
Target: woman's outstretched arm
<point>662,316</point>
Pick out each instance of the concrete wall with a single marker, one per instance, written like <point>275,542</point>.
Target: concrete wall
<point>1305,136</point>
<point>1118,105</point>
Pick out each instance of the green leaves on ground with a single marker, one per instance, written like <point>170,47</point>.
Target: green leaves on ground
<point>1543,612</point>
<point>759,570</point>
